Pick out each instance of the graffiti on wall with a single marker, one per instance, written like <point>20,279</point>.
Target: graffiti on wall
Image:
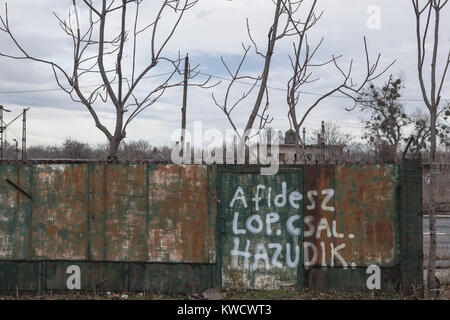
<point>266,220</point>
<point>322,218</point>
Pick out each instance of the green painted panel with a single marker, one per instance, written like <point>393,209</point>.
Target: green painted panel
<point>260,229</point>
<point>93,276</point>
<point>411,227</point>
<point>348,280</point>
<point>170,278</point>
<point>20,276</point>
<point>15,213</point>
<point>8,276</point>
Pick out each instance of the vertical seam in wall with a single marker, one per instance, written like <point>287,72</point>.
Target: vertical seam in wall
<point>105,211</point>
<point>397,219</point>
<point>300,268</point>
<point>208,212</point>
<point>219,226</point>
<point>32,200</point>
<point>147,208</point>
<point>19,211</point>
<point>88,245</point>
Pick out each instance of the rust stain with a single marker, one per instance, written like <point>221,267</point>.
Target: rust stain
<point>178,214</point>
<point>59,212</point>
<point>367,211</point>
<point>317,179</point>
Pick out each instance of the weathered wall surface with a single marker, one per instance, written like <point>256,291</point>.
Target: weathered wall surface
<point>314,226</point>
<point>127,227</point>
<point>106,213</point>
<point>146,227</point>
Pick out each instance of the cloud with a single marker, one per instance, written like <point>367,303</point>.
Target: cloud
<point>214,28</point>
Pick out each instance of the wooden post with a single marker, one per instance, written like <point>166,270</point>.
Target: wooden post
<point>322,142</point>
<point>24,135</point>
<point>183,110</point>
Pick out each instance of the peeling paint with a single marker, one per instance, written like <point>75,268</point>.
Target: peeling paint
<point>313,226</point>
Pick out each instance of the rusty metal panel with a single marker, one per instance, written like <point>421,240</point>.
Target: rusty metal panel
<point>15,213</point>
<point>178,230</point>
<point>98,206</point>
<point>260,229</point>
<point>126,213</point>
<point>118,213</point>
<point>321,225</point>
<point>60,210</point>
<point>367,212</point>
<point>156,227</point>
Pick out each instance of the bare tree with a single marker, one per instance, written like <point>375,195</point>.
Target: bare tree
<point>430,12</point>
<point>114,59</point>
<point>333,135</point>
<point>279,28</point>
<point>73,149</point>
<point>302,63</point>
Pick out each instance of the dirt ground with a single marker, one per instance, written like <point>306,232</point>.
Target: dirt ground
<point>238,295</point>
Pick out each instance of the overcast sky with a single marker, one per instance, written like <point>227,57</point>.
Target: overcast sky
<point>213,28</point>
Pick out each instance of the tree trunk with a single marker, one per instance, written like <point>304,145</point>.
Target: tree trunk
<point>267,63</point>
<point>432,214</point>
<point>119,135</point>
<point>113,152</point>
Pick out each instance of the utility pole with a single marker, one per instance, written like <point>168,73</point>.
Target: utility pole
<point>24,135</point>
<point>304,137</point>
<point>322,141</point>
<point>2,128</point>
<point>183,110</point>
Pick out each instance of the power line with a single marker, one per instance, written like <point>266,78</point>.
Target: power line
<point>302,92</point>
<point>66,88</point>
<point>204,74</point>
